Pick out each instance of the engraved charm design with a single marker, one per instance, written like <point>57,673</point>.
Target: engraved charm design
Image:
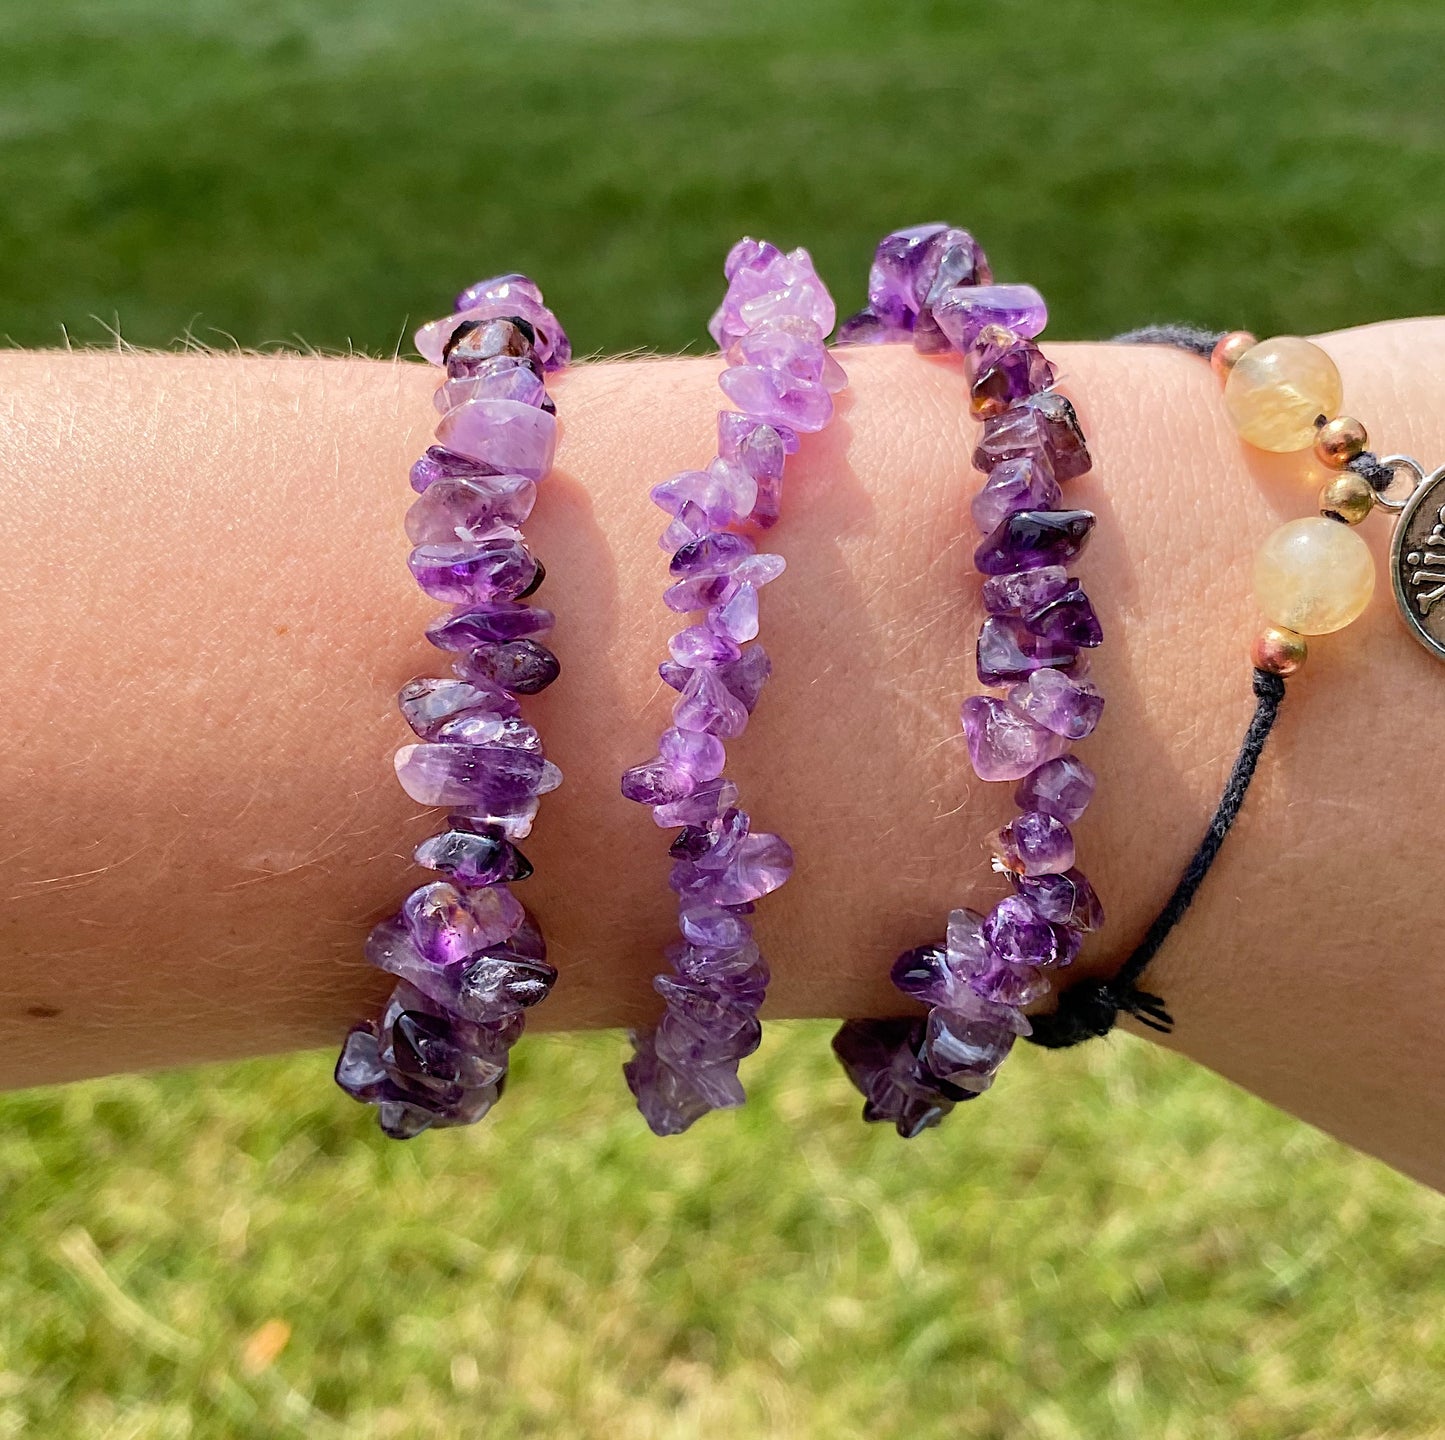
<point>1417,562</point>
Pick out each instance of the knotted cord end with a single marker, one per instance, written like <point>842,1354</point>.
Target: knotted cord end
<point>1089,1011</point>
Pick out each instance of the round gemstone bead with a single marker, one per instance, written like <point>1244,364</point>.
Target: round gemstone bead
<point>1313,576</point>
<point>1278,393</point>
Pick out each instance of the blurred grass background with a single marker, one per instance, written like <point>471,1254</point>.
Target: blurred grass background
<point>1123,1245</point>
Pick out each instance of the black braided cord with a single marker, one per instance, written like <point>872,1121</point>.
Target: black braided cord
<point>1090,1008</point>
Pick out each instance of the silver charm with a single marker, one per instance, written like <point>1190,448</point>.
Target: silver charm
<point>1417,552</point>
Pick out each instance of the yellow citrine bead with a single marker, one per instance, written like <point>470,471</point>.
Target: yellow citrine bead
<point>1314,576</point>
<point>1278,391</point>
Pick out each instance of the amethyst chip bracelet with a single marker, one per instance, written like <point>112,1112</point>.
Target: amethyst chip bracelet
<point>771,326</point>
<point>468,957</point>
<point>932,285</point>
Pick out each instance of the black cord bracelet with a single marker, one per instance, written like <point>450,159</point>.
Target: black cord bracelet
<point>1283,396</point>
<point>1089,1009</point>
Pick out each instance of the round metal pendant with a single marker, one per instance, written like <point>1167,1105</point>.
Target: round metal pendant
<point>1417,563</point>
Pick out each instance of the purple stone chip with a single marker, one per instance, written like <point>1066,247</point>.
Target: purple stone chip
<point>1061,787</point>
<point>507,437</point>
<point>1008,650</point>
<point>880,1058</point>
<point>965,1050</point>
<point>788,347</point>
<point>1003,742</point>
<point>447,925</point>
<point>760,864</point>
<point>924,974</point>
<point>776,398</point>
<point>745,677</point>
<point>1024,483</point>
<point>718,552</point>
<point>1003,983</point>
<point>669,1101</point>
<point>494,622</point>
<point>1006,373</point>
<point>472,858</point>
<point>469,776</point>
<point>503,289</point>
<point>1028,539</point>
<point>706,704</point>
<point>462,507</point>
<point>1024,591</point>
<point>767,285</point>
<point>761,450</point>
<point>657,782</point>
<point>428,704</point>
<point>438,464</point>
<point>389,947</point>
<point>1066,899</point>
<point>503,982</point>
<point>1044,426</point>
<point>698,645</point>
<point>463,572</point>
<point>964,313</point>
<point>708,803</point>
<point>865,328</point>
<point>1017,933</point>
<point>899,278</point>
<point>502,297</point>
<point>502,377</point>
<point>1058,703</point>
<point>474,728</point>
<point>699,754</point>
<point>913,269</point>
<point>1066,619</point>
<point>518,667</point>
<point>1033,844</point>
<point>722,495</point>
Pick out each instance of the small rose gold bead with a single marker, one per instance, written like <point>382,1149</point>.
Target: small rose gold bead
<point>1340,440</point>
<point>1279,651</point>
<point>1348,498</point>
<point>1228,349</point>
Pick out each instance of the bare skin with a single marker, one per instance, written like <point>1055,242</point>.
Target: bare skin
<point>208,615</point>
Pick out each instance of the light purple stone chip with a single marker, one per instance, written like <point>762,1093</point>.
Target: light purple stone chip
<point>1003,742</point>
<point>506,436</point>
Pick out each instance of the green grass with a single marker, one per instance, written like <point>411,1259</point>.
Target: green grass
<point>1122,1245</point>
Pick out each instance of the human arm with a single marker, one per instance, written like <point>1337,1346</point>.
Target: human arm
<point>208,615</point>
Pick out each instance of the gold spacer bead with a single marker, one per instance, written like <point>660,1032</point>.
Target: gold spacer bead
<point>1227,350</point>
<point>1340,440</point>
<point>1279,651</point>
<point>1347,498</point>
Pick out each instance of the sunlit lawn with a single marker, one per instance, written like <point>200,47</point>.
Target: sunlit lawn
<point>1121,1245</point>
